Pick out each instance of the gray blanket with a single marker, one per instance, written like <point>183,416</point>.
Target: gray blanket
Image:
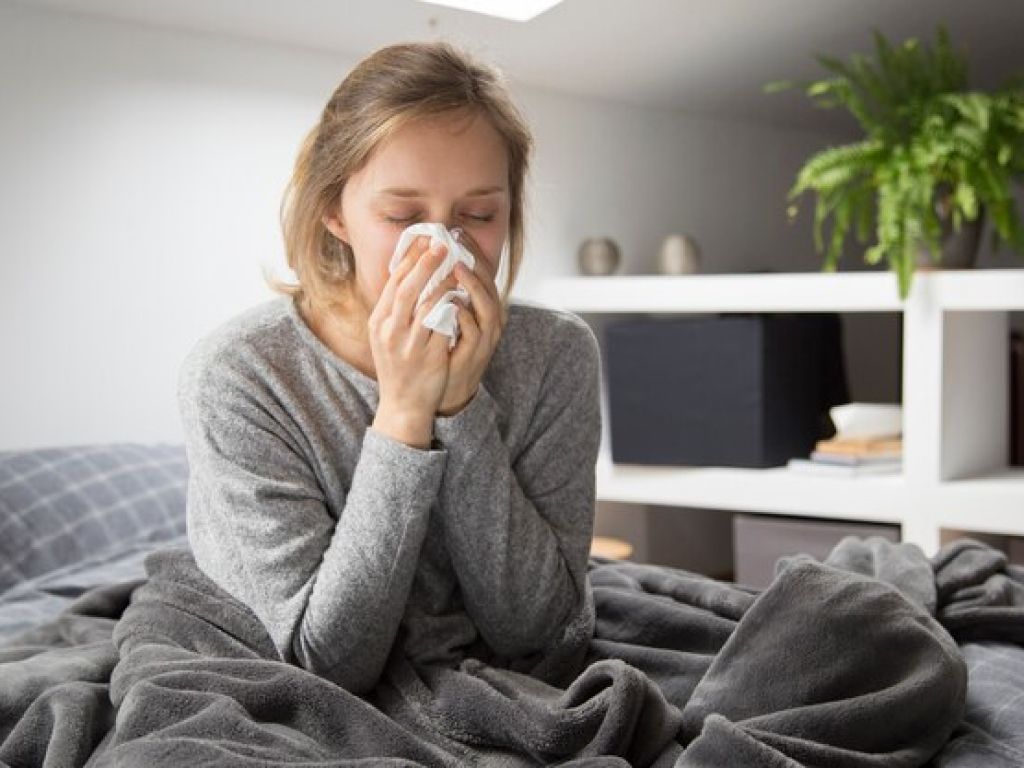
<point>850,662</point>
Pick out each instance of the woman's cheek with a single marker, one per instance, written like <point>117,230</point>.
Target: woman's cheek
<point>384,248</point>
<point>489,265</point>
<point>376,273</point>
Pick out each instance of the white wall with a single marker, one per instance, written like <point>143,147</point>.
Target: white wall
<point>637,175</point>
<point>142,174</point>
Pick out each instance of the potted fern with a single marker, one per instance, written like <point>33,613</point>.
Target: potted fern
<point>934,158</point>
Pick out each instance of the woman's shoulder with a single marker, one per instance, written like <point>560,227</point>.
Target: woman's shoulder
<point>540,329</point>
<point>549,358</point>
<point>243,343</point>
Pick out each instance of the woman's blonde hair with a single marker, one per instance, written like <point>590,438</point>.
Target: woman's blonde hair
<point>387,90</point>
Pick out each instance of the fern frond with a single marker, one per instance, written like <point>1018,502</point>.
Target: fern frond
<point>932,151</point>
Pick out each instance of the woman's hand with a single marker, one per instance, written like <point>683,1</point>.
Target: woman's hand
<point>481,326</point>
<point>411,361</point>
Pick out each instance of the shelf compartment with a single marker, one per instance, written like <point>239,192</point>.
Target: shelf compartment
<point>955,397</point>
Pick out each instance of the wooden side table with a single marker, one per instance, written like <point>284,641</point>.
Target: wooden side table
<point>606,546</point>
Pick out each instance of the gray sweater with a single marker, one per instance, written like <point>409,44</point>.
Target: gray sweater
<point>348,544</point>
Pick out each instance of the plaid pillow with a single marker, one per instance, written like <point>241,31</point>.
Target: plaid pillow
<point>61,505</point>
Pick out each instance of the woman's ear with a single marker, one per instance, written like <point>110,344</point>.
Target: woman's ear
<point>336,227</point>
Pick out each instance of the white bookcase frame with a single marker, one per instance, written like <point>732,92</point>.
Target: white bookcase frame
<point>955,398</point>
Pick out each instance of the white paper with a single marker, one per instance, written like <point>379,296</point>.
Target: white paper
<point>443,318</point>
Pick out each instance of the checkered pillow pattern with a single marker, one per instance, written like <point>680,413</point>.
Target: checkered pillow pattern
<point>61,505</point>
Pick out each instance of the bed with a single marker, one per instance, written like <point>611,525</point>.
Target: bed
<point>108,656</point>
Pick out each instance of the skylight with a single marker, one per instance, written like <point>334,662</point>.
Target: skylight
<point>516,10</point>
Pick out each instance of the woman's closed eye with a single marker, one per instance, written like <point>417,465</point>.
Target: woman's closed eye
<point>410,219</point>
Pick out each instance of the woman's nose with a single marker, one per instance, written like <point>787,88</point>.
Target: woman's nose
<point>466,240</point>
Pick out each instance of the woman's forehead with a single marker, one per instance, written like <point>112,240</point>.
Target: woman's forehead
<point>429,147</point>
<point>417,181</point>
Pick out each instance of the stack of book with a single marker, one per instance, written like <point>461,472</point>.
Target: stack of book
<point>869,442</point>
<point>853,456</point>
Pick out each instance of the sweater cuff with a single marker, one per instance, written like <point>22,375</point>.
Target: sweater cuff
<point>477,418</point>
<point>419,467</point>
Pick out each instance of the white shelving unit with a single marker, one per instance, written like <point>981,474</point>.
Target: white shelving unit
<point>955,398</point>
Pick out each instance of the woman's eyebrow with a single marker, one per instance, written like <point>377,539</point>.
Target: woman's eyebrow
<point>408,192</point>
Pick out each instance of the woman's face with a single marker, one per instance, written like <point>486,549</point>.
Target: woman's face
<point>452,169</point>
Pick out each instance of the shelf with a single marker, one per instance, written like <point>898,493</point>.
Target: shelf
<point>979,290</point>
<point>776,491</point>
<point>993,503</point>
<point>955,397</point>
<point>957,290</point>
<point>795,292</point>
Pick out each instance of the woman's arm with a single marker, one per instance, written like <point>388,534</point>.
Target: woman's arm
<point>519,529</point>
<point>331,595</point>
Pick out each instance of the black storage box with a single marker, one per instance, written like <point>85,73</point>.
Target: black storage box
<point>735,390</point>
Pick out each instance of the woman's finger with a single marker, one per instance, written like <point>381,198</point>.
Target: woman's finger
<point>408,291</point>
<point>405,265</point>
<point>486,277</point>
<point>468,324</point>
<point>420,333</point>
<point>483,302</point>
<point>482,264</point>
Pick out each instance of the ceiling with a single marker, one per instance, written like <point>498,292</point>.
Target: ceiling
<point>709,58</point>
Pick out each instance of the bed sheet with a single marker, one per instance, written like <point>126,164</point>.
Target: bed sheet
<point>992,732</point>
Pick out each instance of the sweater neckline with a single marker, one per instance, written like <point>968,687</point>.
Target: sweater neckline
<point>366,383</point>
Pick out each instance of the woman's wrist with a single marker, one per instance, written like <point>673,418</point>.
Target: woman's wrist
<point>413,429</point>
<point>458,408</point>
<point>448,412</point>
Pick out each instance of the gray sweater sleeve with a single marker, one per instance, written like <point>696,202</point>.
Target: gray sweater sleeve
<point>519,527</point>
<point>330,593</point>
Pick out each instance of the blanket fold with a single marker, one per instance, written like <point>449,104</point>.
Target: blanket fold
<point>845,662</point>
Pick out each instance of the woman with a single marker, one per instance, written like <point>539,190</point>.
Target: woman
<point>361,488</point>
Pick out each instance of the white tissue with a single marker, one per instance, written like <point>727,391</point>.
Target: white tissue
<point>443,318</point>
